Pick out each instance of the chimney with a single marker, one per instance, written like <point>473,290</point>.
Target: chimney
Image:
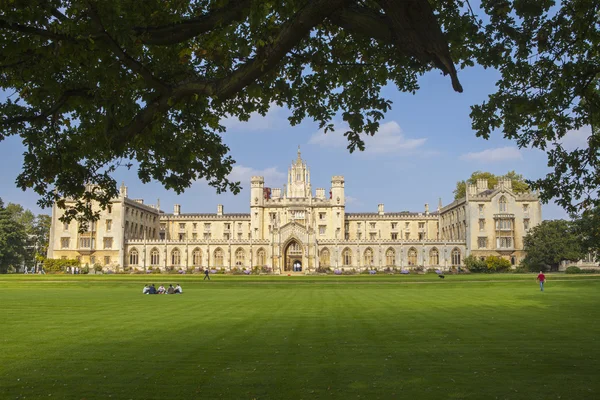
<point>440,204</point>
<point>380,209</point>
<point>176,209</point>
<point>220,209</point>
<point>426,208</point>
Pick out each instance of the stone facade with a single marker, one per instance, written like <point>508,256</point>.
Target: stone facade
<point>293,230</point>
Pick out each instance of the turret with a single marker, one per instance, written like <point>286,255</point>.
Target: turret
<point>220,210</point>
<point>257,195</point>
<point>176,209</point>
<point>380,209</point>
<point>337,190</point>
<point>123,190</point>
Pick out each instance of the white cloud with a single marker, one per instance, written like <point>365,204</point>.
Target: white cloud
<point>353,201</point>
<point>243,174</point>
<point>576,138</point>
<point>274,119</point>
<point>494,155</point>
<point>388,139</point>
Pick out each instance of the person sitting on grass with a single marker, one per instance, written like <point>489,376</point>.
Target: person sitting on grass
<point>178,289</point>
<point>152,289</point>
<point>146,289</point>
<point>161,290</point>
<point>171,290</point>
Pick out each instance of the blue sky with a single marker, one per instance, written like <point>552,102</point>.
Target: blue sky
<point>424,146</point>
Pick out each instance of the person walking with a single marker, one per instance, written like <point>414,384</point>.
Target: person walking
<point>206,275</point>
<point>541,278</point>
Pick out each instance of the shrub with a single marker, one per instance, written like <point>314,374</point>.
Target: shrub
<point>475,265</point>
<point>573,270</point>
<point>432,271</point>
<point>97,267</point>
<point>53,266</point>
<point>497,264</point>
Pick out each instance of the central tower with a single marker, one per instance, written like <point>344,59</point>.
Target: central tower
<point>298,185</point>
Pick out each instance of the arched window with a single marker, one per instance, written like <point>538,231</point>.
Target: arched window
<point>133,257</point>
<point>197,257</point>
<point>218,257</point>
<point>456,257</point>
<point>390,257</point>
<point>412,256</point>
<point>260,257</point>
<point>154,257</point>
<point>368,257</point>
<point>347,257</point>
<point>324,258</point>
<point>239,257</point>
<point>434,257</point>
<point>502,204</point>
<point>175,257</point>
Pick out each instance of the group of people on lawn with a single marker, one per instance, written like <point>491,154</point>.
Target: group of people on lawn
<point>151,289</point>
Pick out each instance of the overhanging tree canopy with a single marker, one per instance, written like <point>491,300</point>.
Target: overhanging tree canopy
<point>99,83</point>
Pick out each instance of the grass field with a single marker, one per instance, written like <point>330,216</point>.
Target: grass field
<point>245,337</point>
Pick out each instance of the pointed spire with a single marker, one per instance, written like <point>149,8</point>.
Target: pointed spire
<point>299,159</point>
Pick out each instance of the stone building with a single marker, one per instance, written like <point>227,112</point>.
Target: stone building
<point>293,229</point>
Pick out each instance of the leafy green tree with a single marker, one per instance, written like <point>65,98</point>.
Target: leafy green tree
<point>550,243</point>
<point>519,185</point>
<point>97,84</point>
<point>587,228</point>
<point>13,240</point>
<point>474,264</point>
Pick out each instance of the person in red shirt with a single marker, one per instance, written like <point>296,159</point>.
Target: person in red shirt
<point>541,278</point>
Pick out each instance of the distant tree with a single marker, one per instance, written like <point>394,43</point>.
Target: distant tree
<point>41,231</point>
<point>550,243</point>
<point>13,240</point>
<point>519,185</point>
<point>587,228</point>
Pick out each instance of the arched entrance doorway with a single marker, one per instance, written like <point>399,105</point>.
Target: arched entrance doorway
<point>293,257</point>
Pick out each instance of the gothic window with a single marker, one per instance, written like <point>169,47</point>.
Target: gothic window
<point>482,225</point>
<point>434,257</point>
<point>526,224</point>
<point>197,257</point>
<point>347,257</point>
<point>502,204</point>
<point>64,242</point>
<point>482,242</point>
<point>133,257</point>
<point>324,258</point>
<point>218,255</point>
<point>239,257</point>
<point>260,255</point>
<point>456,257</point>
<point>322,229</point>
<point>154,257</point>
<point>175,257</point>
<point>368,256</point>
<point>108,242</point>
<point>390,257</point>
<point>298,177</point>
<point>394,236</point>
<point>412,256</point>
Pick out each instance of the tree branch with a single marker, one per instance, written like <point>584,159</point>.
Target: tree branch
<point>50,111</point>
<point>126,59</point>
<point>32,30</point>
<point>365,22</point>
<point>182,31</point>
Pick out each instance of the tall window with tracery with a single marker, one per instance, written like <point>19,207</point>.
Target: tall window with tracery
<point>260,256</point>
<point>239,257</point>
<point>502,204</point>
<point>434,256</point>
<point>197,257</point>
<point>133,257</point>
<point>324,258</point>
<point>154,257</point>
<point>175,257</point>
<point>390,257</point>
<point>347,257</point>
<point>455,257</point>
<point>218,255</point>
<point>412,256</point>
<point>368,257</point>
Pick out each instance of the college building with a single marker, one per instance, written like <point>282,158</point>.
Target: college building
<point>298,229</point>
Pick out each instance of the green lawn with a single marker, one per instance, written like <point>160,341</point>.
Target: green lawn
<point>245,337</point>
